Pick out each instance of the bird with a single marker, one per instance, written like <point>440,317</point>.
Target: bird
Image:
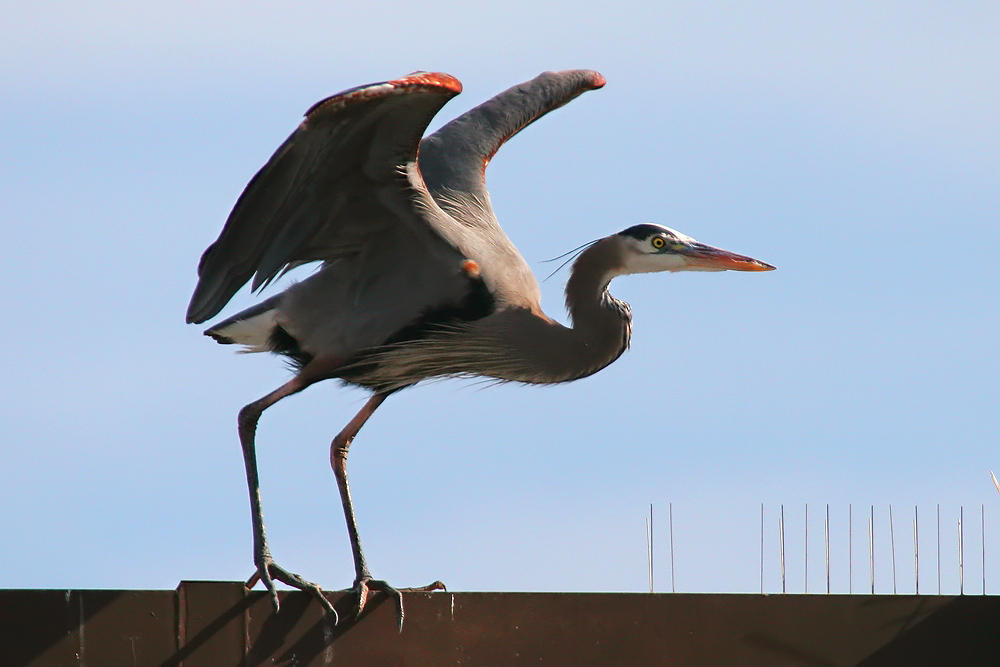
<point>416,279</point>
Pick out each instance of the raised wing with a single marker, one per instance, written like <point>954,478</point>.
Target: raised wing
<point>455,157</point>
<point>338,180</point>
<point>453,164</point>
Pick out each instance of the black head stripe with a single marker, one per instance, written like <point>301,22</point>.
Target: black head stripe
<point>642,232</point>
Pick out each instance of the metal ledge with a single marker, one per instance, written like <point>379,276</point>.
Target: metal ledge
<point>220,623</point>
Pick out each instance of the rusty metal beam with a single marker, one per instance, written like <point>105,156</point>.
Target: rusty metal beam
<point>220,623</point>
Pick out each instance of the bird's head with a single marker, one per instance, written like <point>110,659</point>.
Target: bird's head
<point>648,248</point>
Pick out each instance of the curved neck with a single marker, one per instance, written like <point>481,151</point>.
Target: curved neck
<point>518,344</point>
<point>602,323</point>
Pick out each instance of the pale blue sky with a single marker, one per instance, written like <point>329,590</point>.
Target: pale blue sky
<point>854,145</point>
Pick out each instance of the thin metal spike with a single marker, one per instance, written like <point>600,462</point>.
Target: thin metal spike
<point>939,547</point>
<point>982,540</point>
<point>892,550</point>
<point>762,548</point>
<point>652,533</point>
<point>871,547</point>
<point>673,588</point>
<point>781,533</point>
<point>961,554</point>
<point>850,550</point>
<point>649,555</point>
<point>916,553</point>
<point>805,582</point>
<point>826,543</point>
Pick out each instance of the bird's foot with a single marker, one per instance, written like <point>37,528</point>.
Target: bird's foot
<point>268,572</point>
<point>364,585</point>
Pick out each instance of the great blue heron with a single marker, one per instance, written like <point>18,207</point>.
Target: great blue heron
<point>417,278</point>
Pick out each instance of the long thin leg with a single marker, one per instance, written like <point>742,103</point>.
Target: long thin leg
<point>363,581</point>
<point>338,461</point>
<point>267,569</point>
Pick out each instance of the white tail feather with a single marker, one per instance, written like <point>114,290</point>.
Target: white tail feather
<point>254,333</point>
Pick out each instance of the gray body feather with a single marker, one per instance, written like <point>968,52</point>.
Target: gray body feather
<point>394,301</point>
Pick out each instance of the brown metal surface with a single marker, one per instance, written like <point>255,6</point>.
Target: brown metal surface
<point>219,623</point>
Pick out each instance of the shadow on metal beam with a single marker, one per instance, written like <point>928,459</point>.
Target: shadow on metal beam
<point>221,624</point>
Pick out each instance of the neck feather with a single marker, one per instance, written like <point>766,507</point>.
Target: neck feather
<point>515,344</point>
<point>602,323</point>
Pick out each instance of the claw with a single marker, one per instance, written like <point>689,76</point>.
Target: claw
<point>364,586</point>
<point>265,577</point>
<point>362,589</point>
<point>268,572</point>
<point>433,586</point>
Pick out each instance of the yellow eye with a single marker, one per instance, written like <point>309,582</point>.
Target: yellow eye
<point>658,242</point>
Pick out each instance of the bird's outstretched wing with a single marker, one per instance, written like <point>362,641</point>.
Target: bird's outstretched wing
<point>338,180</point>
<point>453,165</point>
<point>455,157</point>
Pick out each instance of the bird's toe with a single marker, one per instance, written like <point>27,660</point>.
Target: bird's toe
<point>268,572</point>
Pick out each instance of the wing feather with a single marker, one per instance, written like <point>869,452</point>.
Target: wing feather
<point>340,174</point>
<point>453,162</point>
<point>455,157</point>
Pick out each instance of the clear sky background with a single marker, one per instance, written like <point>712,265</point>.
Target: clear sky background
<point>854,145</point>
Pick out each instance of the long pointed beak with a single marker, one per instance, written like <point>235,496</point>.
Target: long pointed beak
<point>709,258</point>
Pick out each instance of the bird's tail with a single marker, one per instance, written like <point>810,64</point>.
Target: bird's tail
<point>253,328</point>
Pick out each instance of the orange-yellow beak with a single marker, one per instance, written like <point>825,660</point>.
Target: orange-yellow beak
<point>709,258</point>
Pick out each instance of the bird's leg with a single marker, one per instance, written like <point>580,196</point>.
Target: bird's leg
<point>338,461</point>
<point>267,570</point>
<point>363,581</point>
